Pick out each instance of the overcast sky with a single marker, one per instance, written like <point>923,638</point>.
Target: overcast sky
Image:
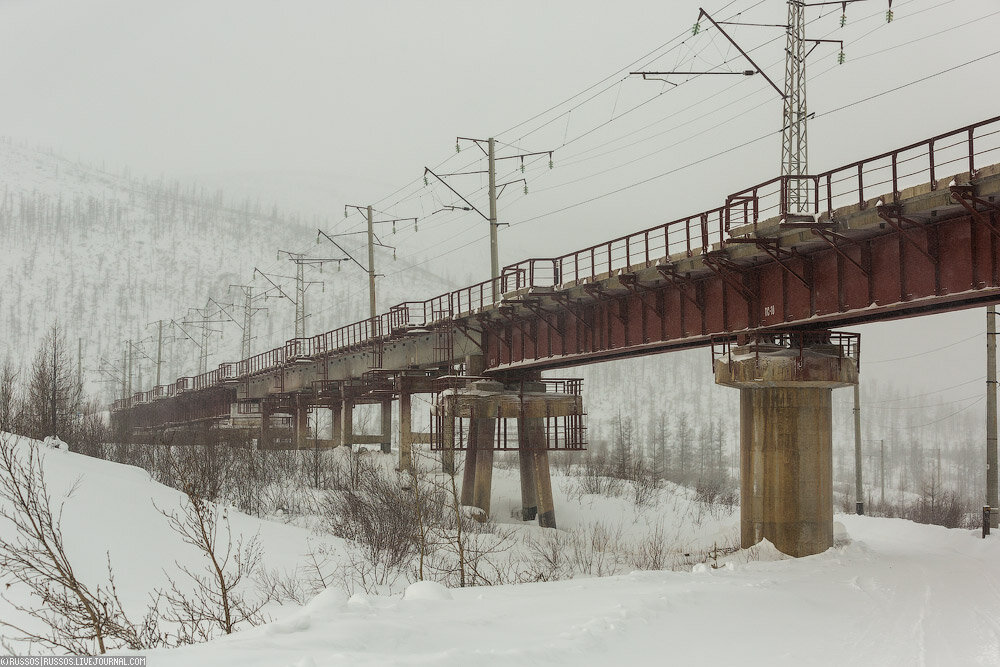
<point>321,103</point>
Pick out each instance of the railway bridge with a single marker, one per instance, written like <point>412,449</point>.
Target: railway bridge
<point>912,231</point>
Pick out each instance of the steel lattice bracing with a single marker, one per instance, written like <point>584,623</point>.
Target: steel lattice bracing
<point>794,152</point>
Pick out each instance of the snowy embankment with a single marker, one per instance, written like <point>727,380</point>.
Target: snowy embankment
<point>897,594</point>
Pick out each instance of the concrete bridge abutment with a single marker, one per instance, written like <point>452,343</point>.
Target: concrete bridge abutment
<point>786,433</point>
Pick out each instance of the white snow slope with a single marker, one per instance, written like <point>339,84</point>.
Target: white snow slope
<point>899,593</point>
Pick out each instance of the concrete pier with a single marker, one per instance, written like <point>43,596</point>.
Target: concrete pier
<point>533,439</point>
<point>387,426</point>
<point>336,424</point>
<point>405,431</point>
<point>347,423</point>
<point>485,428</point>
<point>786,438</point>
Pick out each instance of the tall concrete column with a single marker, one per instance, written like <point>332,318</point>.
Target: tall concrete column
<point>405,431</point>
<point>336,424</point>
<point>387,426</point>
<point>533,440</point>
<point>347,423</point>
<point>470,469</point>
<point>300,425</point>
<point>447,442</point>
<point>474,365</point>
<point>265,425</point>
<point>485,428</point>
<point>786,441</point>
<point>529,482</point>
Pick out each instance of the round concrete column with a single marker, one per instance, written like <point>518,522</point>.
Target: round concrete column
<point>786,480</point>
<point>786,442</point>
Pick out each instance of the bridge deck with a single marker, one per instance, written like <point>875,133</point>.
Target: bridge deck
<point>870,249</point>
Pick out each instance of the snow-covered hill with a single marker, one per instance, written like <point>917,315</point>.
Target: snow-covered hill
<point>104,254</point>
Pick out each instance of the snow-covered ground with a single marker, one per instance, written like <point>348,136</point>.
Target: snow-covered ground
<point>896,593</point>
<point>899,594</point>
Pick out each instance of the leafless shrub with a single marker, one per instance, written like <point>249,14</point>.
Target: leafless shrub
<point>376,514</point>
<point>79,619</point>
<point>596,477</point>
<point>644,485</point>
<point>211,601</point>
<point>652,552</point>
<point>548,556</point>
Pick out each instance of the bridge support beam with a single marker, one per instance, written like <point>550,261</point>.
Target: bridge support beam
<point>387,426</point>
<point>786,437</point>
<point>469,470</point>
<point>526,460</point>
<point>347,423</point>
<point>265,425</point>
<point>300,424</point>
<point>484,427</point>
<point>405,431</point>
<point>533,439</point>
<point>336,427</point>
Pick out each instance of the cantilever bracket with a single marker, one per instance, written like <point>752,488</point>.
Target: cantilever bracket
<point>831,237</point>
<point>486,323</point>
<point>965,196</point>
<point>507,312</point>
<point>772,246</point>
<point>568,304</point>
<point>541,314</point>
<point>681,282</point>
<point>893,216</point>
<point>632,283</point>
<point>597,291</point>
<point>464,330</point>
<point>719,263</point>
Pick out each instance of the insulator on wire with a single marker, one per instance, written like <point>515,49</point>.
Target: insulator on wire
<point>525,188</point>
<point>345,212</point>
<point>522,165</point>
<point>843,20</point>
<point>415,226</point>
<point>551,165</point>
<point>393,226</point>
<point>841,57</point>
<point>458,149</point>
<point>338,267</point>
<point>696,28</point>
<point>394,254</point>
<point>426,182</point>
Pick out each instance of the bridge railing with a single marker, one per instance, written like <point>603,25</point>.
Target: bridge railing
<point>206,380</point>
<point>885,175</point>
<point>691,235</point>
<point>264,361</point>
<point>228,371</point>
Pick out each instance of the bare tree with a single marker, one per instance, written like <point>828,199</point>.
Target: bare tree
<point>77,618</point>
<point>211,600</point>
<point>53,399</point>
<point>10,407</point>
